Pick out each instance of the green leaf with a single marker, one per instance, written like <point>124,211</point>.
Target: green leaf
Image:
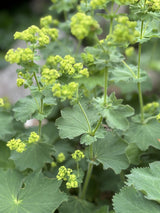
<point>34,157</point>
<point>24,109</point>
<point>131,201</point>
<point>6,126</point>
<point>144,135</point>
<point>110,151</point>
<point>76,205</point>
<point>39,194</point>
<point>133,154</point>
<point>128,74</point>
<point>5,162</point>
<point>116,116</point>
<point>147,180</point>
<point>72,122</point>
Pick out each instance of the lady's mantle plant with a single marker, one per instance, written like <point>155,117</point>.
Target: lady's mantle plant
<point>84,158</point>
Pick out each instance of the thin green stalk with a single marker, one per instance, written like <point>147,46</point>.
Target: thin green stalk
<point>85,115</point>
<point>129,68</point>
<point>111,19</point>
<point>40,122</point>
<point>78,47</point>
<point>34,74</point>
<point>138,74</point>
<point>89,173</point>
<point>105,85</point>
<point>86,182</point>
<point>97,126</point>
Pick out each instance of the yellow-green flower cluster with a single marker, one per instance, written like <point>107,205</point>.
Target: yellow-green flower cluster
<point>33,138</point>
<point>72,182</point>
<point>61,157</point>
<point>98,4</point>
<point>127,2</point>
<point>129,51</point>
<point>153,5</point>
<point>151,107</point>
<point>1,102</point>
<point>124,32</point>
<point>66,65</point>
<point>87,58</point>
<point>158,117</point>
<point>82,25</point>
<point>53,164</point>
<point>17,145</point>
<point>49,76</point>
<point>20,82</point>
<point>39,36</point>
<point>78,155</point>
<point>66,175</point>
<point>46,21</point>
<point>19,56</point>
<point>67,91</point>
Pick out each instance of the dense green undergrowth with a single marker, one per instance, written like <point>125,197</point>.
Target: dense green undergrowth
<point>93,150</point>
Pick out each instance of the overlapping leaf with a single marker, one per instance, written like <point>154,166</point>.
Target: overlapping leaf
<point>128,74</point>
<point>24,109</point>
<point>6,125</point>
<point>39,194</point>
<point>77,206</point>
<point>34,157</point>
<point>131,201</point>
<point>110,151</point>
<point>72,122</point>
<point>147,180</point>
<point>144,135</point>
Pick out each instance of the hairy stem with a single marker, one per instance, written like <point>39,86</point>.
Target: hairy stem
<point>105,85</point>
<point>89,173</point>
<point>85,115</point>
<point>139,74</point>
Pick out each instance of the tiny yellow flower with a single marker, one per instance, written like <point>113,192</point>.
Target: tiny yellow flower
<point>34,137</point>
<point>61,157</point>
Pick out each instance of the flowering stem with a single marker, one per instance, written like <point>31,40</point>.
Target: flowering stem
<point>138,74</point>
<point>86,182</point>
<point>40,122</point>
<point>34,74</point>
<point>97,126</point>
<point>41,105</point>
<point>78,47</point>
<point>84,113</point>
<point>105,85</point>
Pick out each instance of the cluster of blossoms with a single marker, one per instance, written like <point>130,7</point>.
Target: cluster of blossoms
<point>19,56</point>
<point>88,59</point>
<point>39,36</point>
<point>98,4</point>
<point>127,2</point>
<point>17,145</point>
<point>82,25</point>
<point>129,51</point>
<point>124,32</point>
<point>67,91</point>
<point>78,155</point>
<point>61,157</point>
<point>158,117</point>
<point>33,138</point>
<point>56,67</point>
<point>153,5</point>
<point>20,146</point>
<point>67,175</point>
<point>151,108</point>
<point>1,102</point>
